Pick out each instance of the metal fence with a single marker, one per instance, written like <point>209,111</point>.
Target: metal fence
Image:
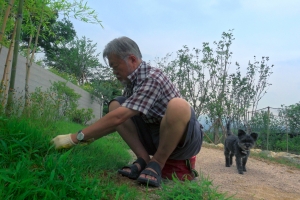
<point>273,128</point>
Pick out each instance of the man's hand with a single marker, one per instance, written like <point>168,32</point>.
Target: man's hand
<point>63,142</point>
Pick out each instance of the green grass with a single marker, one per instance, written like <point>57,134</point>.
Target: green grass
<point>280,160</point>
<point>32,169</point>
<point>191,190</point>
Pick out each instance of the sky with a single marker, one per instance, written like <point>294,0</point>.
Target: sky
<point>160,27</point>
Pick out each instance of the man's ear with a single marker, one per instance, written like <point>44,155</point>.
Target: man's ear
<point>134,60</point>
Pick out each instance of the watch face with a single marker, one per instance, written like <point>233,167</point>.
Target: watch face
<point>80,136</point>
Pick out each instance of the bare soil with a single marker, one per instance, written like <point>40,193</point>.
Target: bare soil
<point>263,180</point>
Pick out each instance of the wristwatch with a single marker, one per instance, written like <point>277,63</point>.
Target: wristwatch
<point>80,136</point>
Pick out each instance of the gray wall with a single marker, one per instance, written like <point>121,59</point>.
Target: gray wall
<point>40,77</point>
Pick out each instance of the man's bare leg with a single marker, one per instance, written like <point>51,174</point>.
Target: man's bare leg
<point>128,132</point>
<point>173,126</point>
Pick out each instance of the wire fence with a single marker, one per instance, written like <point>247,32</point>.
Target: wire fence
<point>275,130</point>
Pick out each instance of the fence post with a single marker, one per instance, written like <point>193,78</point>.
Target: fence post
<point>268,128</point>
<point>287,137</point>
<point>249,129</point>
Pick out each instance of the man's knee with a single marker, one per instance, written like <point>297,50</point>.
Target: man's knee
<point>175,102</point>
<point>114,104</point>
<point>178,106</point>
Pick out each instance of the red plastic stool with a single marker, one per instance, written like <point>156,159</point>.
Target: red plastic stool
<point>182,169</point>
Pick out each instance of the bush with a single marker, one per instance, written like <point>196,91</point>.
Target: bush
<point>67,98</point>
<point>82,116</point>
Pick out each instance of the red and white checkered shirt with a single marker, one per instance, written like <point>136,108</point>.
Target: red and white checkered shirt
<point>152,90</point>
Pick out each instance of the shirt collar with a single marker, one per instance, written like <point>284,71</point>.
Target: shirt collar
<point>136,73</point>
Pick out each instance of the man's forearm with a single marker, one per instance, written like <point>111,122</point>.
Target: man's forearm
<point>105,125</point>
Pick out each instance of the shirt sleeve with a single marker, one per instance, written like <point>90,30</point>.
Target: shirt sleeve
<point>144,96</point>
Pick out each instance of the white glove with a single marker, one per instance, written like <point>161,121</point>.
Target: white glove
<point>63,142</point>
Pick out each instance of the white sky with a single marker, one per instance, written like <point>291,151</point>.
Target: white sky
<point>261,28</point>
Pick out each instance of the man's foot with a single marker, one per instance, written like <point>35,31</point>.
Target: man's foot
<point>133,171</point>
<point>151,175</point>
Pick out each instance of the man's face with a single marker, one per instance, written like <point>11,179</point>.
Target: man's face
<point>120,67</point>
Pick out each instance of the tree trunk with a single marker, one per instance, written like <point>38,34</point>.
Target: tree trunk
<point>28,65</point>
<point>15,59</point>
<point>27,73</point>
<point>4,86</point>
<point>10,4</point>
<point>216,132</point>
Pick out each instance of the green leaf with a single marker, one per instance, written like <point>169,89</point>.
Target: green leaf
<point>63,158</point>
<point>52,174</point>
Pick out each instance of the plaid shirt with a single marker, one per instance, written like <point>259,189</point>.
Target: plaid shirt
<point>149,93</point>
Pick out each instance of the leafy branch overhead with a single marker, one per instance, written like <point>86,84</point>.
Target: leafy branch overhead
<point>77,9</point>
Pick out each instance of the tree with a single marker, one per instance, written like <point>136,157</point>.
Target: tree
<point>203,79</point>
<point>77,57</point>
<point>40,11</point>
<point>104,86</point>
<point>53,36</point>
<point>292,115</point>
<point>14,63</point>
<point>5,18</point>
<point>4,86</point>
<point>218,62</point>
<point>188,74</point>
<point>262,71</point>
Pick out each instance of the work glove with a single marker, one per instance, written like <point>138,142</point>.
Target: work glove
<point>63,142</point>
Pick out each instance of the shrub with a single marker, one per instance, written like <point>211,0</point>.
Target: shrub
<point>82,116</point>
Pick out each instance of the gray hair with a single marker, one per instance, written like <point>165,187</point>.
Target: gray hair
<point>123,47</point>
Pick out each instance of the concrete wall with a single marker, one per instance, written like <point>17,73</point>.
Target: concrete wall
<point>40,77</point>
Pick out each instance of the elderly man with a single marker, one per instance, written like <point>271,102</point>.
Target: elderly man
<point>159,126</point>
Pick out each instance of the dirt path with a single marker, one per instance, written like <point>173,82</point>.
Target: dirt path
<point>262,181</point>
